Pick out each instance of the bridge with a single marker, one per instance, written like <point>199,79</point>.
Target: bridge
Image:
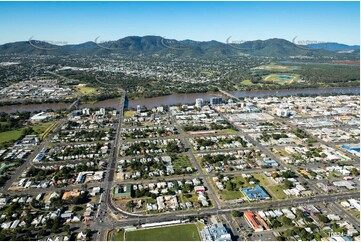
<point>74,104</point>
<point>228,94</point>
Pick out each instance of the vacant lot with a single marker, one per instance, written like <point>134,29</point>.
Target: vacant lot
<point>185,232</point>
<point>86,90</point>
<point>274,190</point>
<point>10,135</point>
<point>129,114</point>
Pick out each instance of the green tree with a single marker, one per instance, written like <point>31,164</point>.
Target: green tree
<point>236,213</point>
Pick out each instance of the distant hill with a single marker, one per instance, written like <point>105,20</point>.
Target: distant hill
<point>156,45</point>
<point>332,46</point>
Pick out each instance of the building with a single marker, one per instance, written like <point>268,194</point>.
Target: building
<point>256,221</point>
<point>86,111</point>
<point>281,112</point>
<point>139,109</point>
<point>123,191</point>
<point>215,232</point>
<point>215,100</point>
<point>199,102</point>
<point>40,117</point>
<point>255,193</point>
<point>352,147</point>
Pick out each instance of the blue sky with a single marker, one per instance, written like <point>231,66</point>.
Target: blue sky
<point>76,22</point>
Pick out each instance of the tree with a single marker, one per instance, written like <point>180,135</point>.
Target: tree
<point>55,228</point>
<point>286,221</point>
<point>276,224</point>
<point>323,218</point>
<point>355,172</point>
<point>236,213</point>
<point>130,204</point>
<point>288,184</point>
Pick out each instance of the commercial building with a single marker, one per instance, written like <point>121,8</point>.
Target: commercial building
<point>215,232</point>
<point>255,193</point>
<point>215,100</point>
<point>256,221</point>
<point>199,102</point>
<point>352,147</point>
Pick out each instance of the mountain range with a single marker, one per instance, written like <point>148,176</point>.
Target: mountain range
<point>156,45</point>
<point>332,46</point>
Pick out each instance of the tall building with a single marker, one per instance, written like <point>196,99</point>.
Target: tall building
<point>199,102</point>
<point>139,109</point>
<point>215,100</point>
<point>102,111</point>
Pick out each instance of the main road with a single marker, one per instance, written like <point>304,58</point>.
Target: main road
<point>106,186</point>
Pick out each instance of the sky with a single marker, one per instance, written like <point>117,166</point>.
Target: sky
<point>78,22</point>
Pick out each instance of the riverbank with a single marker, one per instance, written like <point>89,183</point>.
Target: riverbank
<point>180,98</point>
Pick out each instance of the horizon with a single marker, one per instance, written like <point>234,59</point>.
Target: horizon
<point>298,42</point>
<point>80,22</point>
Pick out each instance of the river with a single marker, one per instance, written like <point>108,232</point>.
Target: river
<point>178,98</point>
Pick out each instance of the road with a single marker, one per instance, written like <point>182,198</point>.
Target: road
<point>106,186</point>
<point>271,155</point>
<point>211,193</point>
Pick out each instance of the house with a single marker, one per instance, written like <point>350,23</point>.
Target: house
<point>199,189</point>
<point>123,191</point>
<point>81,236</point>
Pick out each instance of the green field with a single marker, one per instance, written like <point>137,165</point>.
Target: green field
<point>10,135</point>
<point>277,78</point>
<point>118,236</point>
<point>227,131</point>
<point>185,232</point>
<point>247,83</point>
<point>231,195</point>
<point>41,127</point>
<point>275,67</point>
<point>182,161</point>
<point>236,194</point>
<point>129,114</point>
<point>274,190</point>
<point>86,90</point>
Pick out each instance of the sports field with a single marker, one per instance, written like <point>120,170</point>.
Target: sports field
<point>185,232</point>
<point>282,78</point>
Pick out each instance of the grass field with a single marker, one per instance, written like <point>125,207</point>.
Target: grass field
<point>274,190</point>
<point>247,83</point>
<point>41,127</point>
<point>10,135</point>
<point>129,114</point>
<point>119,236</point>
<point>282,78</point>
<point>236,194</point>
<point>184,232</point>
<point>275,67</point>
<point>231,195</point>
<point>182,161</point>
<point>227,131</point>
<point>86,90</point>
